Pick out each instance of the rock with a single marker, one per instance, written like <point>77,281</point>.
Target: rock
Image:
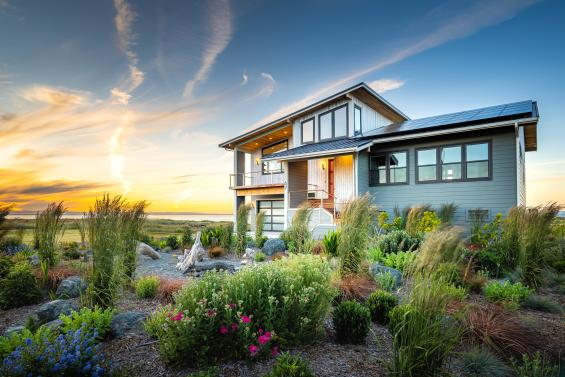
<point>216,264</point>
<point>55,324</point>
<point>71,287</point>
<point>13,329</point>
<point>126,322</point>
<point>167,249</point>
<point>34,260</point>
<point>273,245</point>
<point>53,309</point>
<point>379,269</point>
<point>145,249</point>
<point>249,253</point>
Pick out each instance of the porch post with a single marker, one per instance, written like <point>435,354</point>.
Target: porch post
<point>286,194</point>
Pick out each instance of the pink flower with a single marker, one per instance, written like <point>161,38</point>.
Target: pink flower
<point>211,313</point>
<point>223,330</point>
<point>275,351</point>
<point>260,331</point>
<point>245,319</point>
<point>234,326</point>
<point>177,317</point>
<point>268,334</point>
<point>264,339</point>
<point>232,306</point>
<point>253,349</point>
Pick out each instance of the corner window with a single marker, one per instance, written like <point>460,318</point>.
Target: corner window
<point>273,166</point>
<point>478,161</point>
<point>357,120</point>
<point>333,123</point>
<point>427,165</point>
<point>451,163</point>
<point>308,131</point>
<point>388,168</point>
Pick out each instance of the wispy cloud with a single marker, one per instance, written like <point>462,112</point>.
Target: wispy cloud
<point>244,78</point>
<point>480,15</point>
<point>385,85</point>
<point>222,31</point>
<point>53,96</point>
<point>269,85</point>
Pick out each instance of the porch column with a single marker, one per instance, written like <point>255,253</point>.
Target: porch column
<point>285,181</point>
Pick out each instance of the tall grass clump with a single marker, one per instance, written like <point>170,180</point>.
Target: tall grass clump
<point>48,226</point>
<point>331,242</point>
<point>81,227</point>
<point>259,224</point>
<point>439,247</point>
<point>413,218</point>
<point>297,237</point>
<point>132,219</point>
<point>354,228</point>
<point>241,228</point>
<point>446,213</point>
<point>4,212</point>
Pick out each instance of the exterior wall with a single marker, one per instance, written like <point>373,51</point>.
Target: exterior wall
<point>497,194</point>
<point>343,178</point>
<point>297,183</point>
<point>256,171</point>
<point>370,119</point>
<point>521,167</point>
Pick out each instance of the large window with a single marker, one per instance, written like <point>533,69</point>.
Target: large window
<point>449,163</point>
<point>357,120</point>
<point>274,214</point>
<point>388,168</point>
<point>308,131</point>
<point>333,124</point>
<point>273,166</point>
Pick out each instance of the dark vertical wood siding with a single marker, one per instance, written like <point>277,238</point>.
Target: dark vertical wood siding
<point>297,182</point>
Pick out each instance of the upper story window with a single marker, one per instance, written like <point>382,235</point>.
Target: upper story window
<point>448,163</point>
<point>357,120</point>
<point>388,168</point>
<point>308,131</point>
<point>333,123</point>
<point>273,166</point>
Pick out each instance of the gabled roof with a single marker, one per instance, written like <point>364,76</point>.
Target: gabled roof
<point>326,148</point>
<point>361,90</point>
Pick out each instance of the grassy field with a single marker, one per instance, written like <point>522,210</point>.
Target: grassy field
<point>156,228</point>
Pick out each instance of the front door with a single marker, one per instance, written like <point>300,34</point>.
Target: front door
<point>331,178</point>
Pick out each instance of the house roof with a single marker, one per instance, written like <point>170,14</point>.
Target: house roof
<point>485,117</point>
<point>361,90</point>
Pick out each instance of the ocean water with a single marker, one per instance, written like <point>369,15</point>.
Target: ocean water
<point>152,215</point>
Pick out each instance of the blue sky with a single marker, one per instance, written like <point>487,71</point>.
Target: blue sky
<point>134,96</point>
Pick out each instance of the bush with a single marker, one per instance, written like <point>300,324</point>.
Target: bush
<point>534,367</point>
<point>542,304</point>
<point>56,275</point>
<point>241,228</point>
<point>442,246</point>
<point>297,236</point>
<point>330,242</point>
<point>512,295</point>
<point>450,272</point>
<point>146,287</point>
<point>259,223</point>
<point>19,287</point>
<point>168,287</point>
<point>290,366</point>
<point>354,225</point>
<point>354,287</point>
<point>215,252</point>
<point>380,303</point>
<point>351,322</point>
<point>259,257</point>
<point>90,319</point>
<point>227,315</point>
<point>6,265</point>
<point>70,250</point>
<point>187,237</point>
<point>400,261</point>
<point>428,222</point>
<point>385,281</point>
<point>480,362</point>
<point>172,242</point>
<point>210,372</point>
<point>10,245</point>
<point>398,240</point>
<point>446,213</point>
<point>73,353</point>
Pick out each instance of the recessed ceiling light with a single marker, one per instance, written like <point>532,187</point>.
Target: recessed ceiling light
<point>256,143</point>
<point>286,132</point>
<point>270,138</point>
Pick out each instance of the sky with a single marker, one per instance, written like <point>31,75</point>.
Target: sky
<point>132,97</point>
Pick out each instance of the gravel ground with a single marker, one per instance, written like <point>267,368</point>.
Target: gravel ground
<point>166,266</point>
<point>17,316</point>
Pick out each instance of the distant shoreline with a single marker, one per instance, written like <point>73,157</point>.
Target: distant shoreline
<point>178,216</point>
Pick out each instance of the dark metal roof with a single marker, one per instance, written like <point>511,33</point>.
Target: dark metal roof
<point>510,111</point>
<point>338,145</point>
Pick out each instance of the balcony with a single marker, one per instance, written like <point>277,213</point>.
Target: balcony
<point>256,179</point>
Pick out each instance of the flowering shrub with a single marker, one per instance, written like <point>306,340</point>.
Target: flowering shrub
<point>73,353</point>
<point>247,314</point>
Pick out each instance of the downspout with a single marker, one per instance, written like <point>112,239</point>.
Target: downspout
<point>517,159</point>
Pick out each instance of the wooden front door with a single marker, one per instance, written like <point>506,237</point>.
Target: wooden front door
<point>331,183</point>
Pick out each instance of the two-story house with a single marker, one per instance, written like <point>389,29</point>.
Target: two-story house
<point>355,142</point>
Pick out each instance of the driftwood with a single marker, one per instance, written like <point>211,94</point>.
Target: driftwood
<point>190,257</point>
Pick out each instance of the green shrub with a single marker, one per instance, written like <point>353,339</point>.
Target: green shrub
<point>289,298</point>
<point>149,240</point>
<point>210,372</point>
<point>441,246</point>
<point>380,303</point>
<point>398,240</point>
<point>19,287</point>
<point>413,218</point>
<point>354,227</point>
<point>542,304</point>
<point>290,366</point>
<point>131,222</point>
<point>351,322</point>
<point>172,242</point>
<point>6,265</point>
<point>9,343</point>
<point>241,228</point>
<point>260,257</point>
<point>91,319</point>
<point>401,260</point>
<point>535,366</point>
<point>450,272</point>
<point>512,295</point>
<point>428,222</point>
<point>297,237</point>
<point>330,242</point>
<point>480,362</point>
<point>187,237</point>
<point>259,223</point>
<point>70,250</point>
<point>491,259</point>
<point>385,281</point>
<point>146,287</point>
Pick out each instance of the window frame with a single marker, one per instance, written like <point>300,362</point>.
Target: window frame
<point>463,162</point>
<point>332,111</point>
<point>302,142</point>
<point>355,133</point>
<point>263,172</point>
<point>387,154</point>
<point>270,207</point>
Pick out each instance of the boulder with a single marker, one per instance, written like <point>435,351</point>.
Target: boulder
<point>126,322</point>
<point>53,309</point>
<point>216,264</point>
<point>13,329</point>
<point>145,249</point>
<point>34,260</point>
<point>380,269</point>
<point>273,245</point>
<point>71,287</point>
<point>249,253</point>
<point>55,324</point>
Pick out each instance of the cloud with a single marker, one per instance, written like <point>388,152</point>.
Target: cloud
<point>123,22</point>
<point>480,15</point>
<point>245,78</point>
<point>385,85</point>
<point>116,152</point>
<point>4,4</point>
<point>269,85</point>
<point>222,31</point>
<point>53,96</point>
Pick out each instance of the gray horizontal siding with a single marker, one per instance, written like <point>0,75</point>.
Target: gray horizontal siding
<point>497,195</point>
